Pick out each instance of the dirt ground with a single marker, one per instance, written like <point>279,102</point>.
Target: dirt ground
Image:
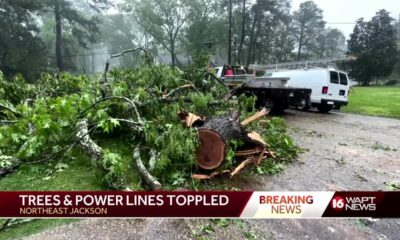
<point>342,152</point>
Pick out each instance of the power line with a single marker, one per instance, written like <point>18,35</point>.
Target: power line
<point>89,54</point>
<point>341,23</point>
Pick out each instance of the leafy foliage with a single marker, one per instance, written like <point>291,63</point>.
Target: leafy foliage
<point>45,128</point>
<point>111,163</point>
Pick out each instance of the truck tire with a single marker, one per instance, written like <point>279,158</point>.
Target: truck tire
<point>337,107</point>
<point>304,105</point>
<point>324,108</point>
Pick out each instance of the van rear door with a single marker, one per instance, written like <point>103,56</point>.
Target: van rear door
<point>333,88</point>
<point>343,86</point>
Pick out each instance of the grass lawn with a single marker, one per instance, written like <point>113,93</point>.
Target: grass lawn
<point>375,101</point>
<point>69,174</point>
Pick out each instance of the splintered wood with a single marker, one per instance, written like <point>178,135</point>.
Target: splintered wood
<point>215,135</point>
<point>189,119</point>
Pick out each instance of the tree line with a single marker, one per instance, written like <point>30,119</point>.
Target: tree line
<point>48,35</point>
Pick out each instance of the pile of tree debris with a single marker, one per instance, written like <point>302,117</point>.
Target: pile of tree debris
<point>214,137</point>
<point>62,115</point>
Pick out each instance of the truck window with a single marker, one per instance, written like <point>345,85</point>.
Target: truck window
<point>334,77</point>
<point>343,79</point>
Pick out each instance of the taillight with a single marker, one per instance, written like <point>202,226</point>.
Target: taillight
<point>324,90</point>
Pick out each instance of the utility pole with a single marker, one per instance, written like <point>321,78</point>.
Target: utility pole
<point>230,33</point>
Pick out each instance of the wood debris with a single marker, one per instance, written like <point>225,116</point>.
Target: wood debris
<point>215,133</point>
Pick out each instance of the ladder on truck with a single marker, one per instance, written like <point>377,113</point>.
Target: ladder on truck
<point>322,63</point>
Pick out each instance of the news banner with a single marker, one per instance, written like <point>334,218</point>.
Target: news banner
<point>224,204</point>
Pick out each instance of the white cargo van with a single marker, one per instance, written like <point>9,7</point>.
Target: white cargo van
<point>329,87</point>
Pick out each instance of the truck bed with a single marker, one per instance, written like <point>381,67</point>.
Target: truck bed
<point>277,98</point>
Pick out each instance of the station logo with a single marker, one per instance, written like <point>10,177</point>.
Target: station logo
<point>353,203</point>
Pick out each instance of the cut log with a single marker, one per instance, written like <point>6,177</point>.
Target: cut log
<point>212,150</point>
<point>215,135</point>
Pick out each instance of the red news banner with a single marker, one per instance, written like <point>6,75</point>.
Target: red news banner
<point>200,204</point>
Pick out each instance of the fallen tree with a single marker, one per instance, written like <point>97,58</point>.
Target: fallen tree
<point>137,109</point>
<point>215,135</point>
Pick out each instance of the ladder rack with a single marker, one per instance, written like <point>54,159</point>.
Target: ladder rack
<point>322,63</point>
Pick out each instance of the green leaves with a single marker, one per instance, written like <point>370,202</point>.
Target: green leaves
<point>280,142</point>
<point>112,167</point>
<point>47,126</point>
<point>5,161</point>
<point>178,178</point>
<point>108,124</point>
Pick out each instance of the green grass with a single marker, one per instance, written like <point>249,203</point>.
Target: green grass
<point>77,174</point>
<point>80,175</point>
<point>375,101</point>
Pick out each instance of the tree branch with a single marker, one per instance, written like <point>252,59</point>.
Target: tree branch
<point>11,109</point>
<point>144,174</point>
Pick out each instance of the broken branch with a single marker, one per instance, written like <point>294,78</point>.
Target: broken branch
<point>172,92</point>
<point>10,108</point>
<point>254,117</point>
<point>144,174</point>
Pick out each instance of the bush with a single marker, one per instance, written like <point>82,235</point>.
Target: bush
<point>392,82</point>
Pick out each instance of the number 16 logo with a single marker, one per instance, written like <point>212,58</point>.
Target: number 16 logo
<point>337,203</point>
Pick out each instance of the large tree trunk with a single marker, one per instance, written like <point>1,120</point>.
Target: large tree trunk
<point>215,136</point>
<point>57,14</point>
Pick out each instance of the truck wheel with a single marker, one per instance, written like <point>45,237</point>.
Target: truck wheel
<point>323,108</point>
<point>304,105</point>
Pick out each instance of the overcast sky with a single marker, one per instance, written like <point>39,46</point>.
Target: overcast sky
<point>348,11</point>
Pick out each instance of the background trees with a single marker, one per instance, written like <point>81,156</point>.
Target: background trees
<point>21,49</point>
<point>374,43</point>
<point>163,21</point>
<point>205,24</point>
<point>308,24</point>
<point>79,35</point>
<point>69,19</point>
